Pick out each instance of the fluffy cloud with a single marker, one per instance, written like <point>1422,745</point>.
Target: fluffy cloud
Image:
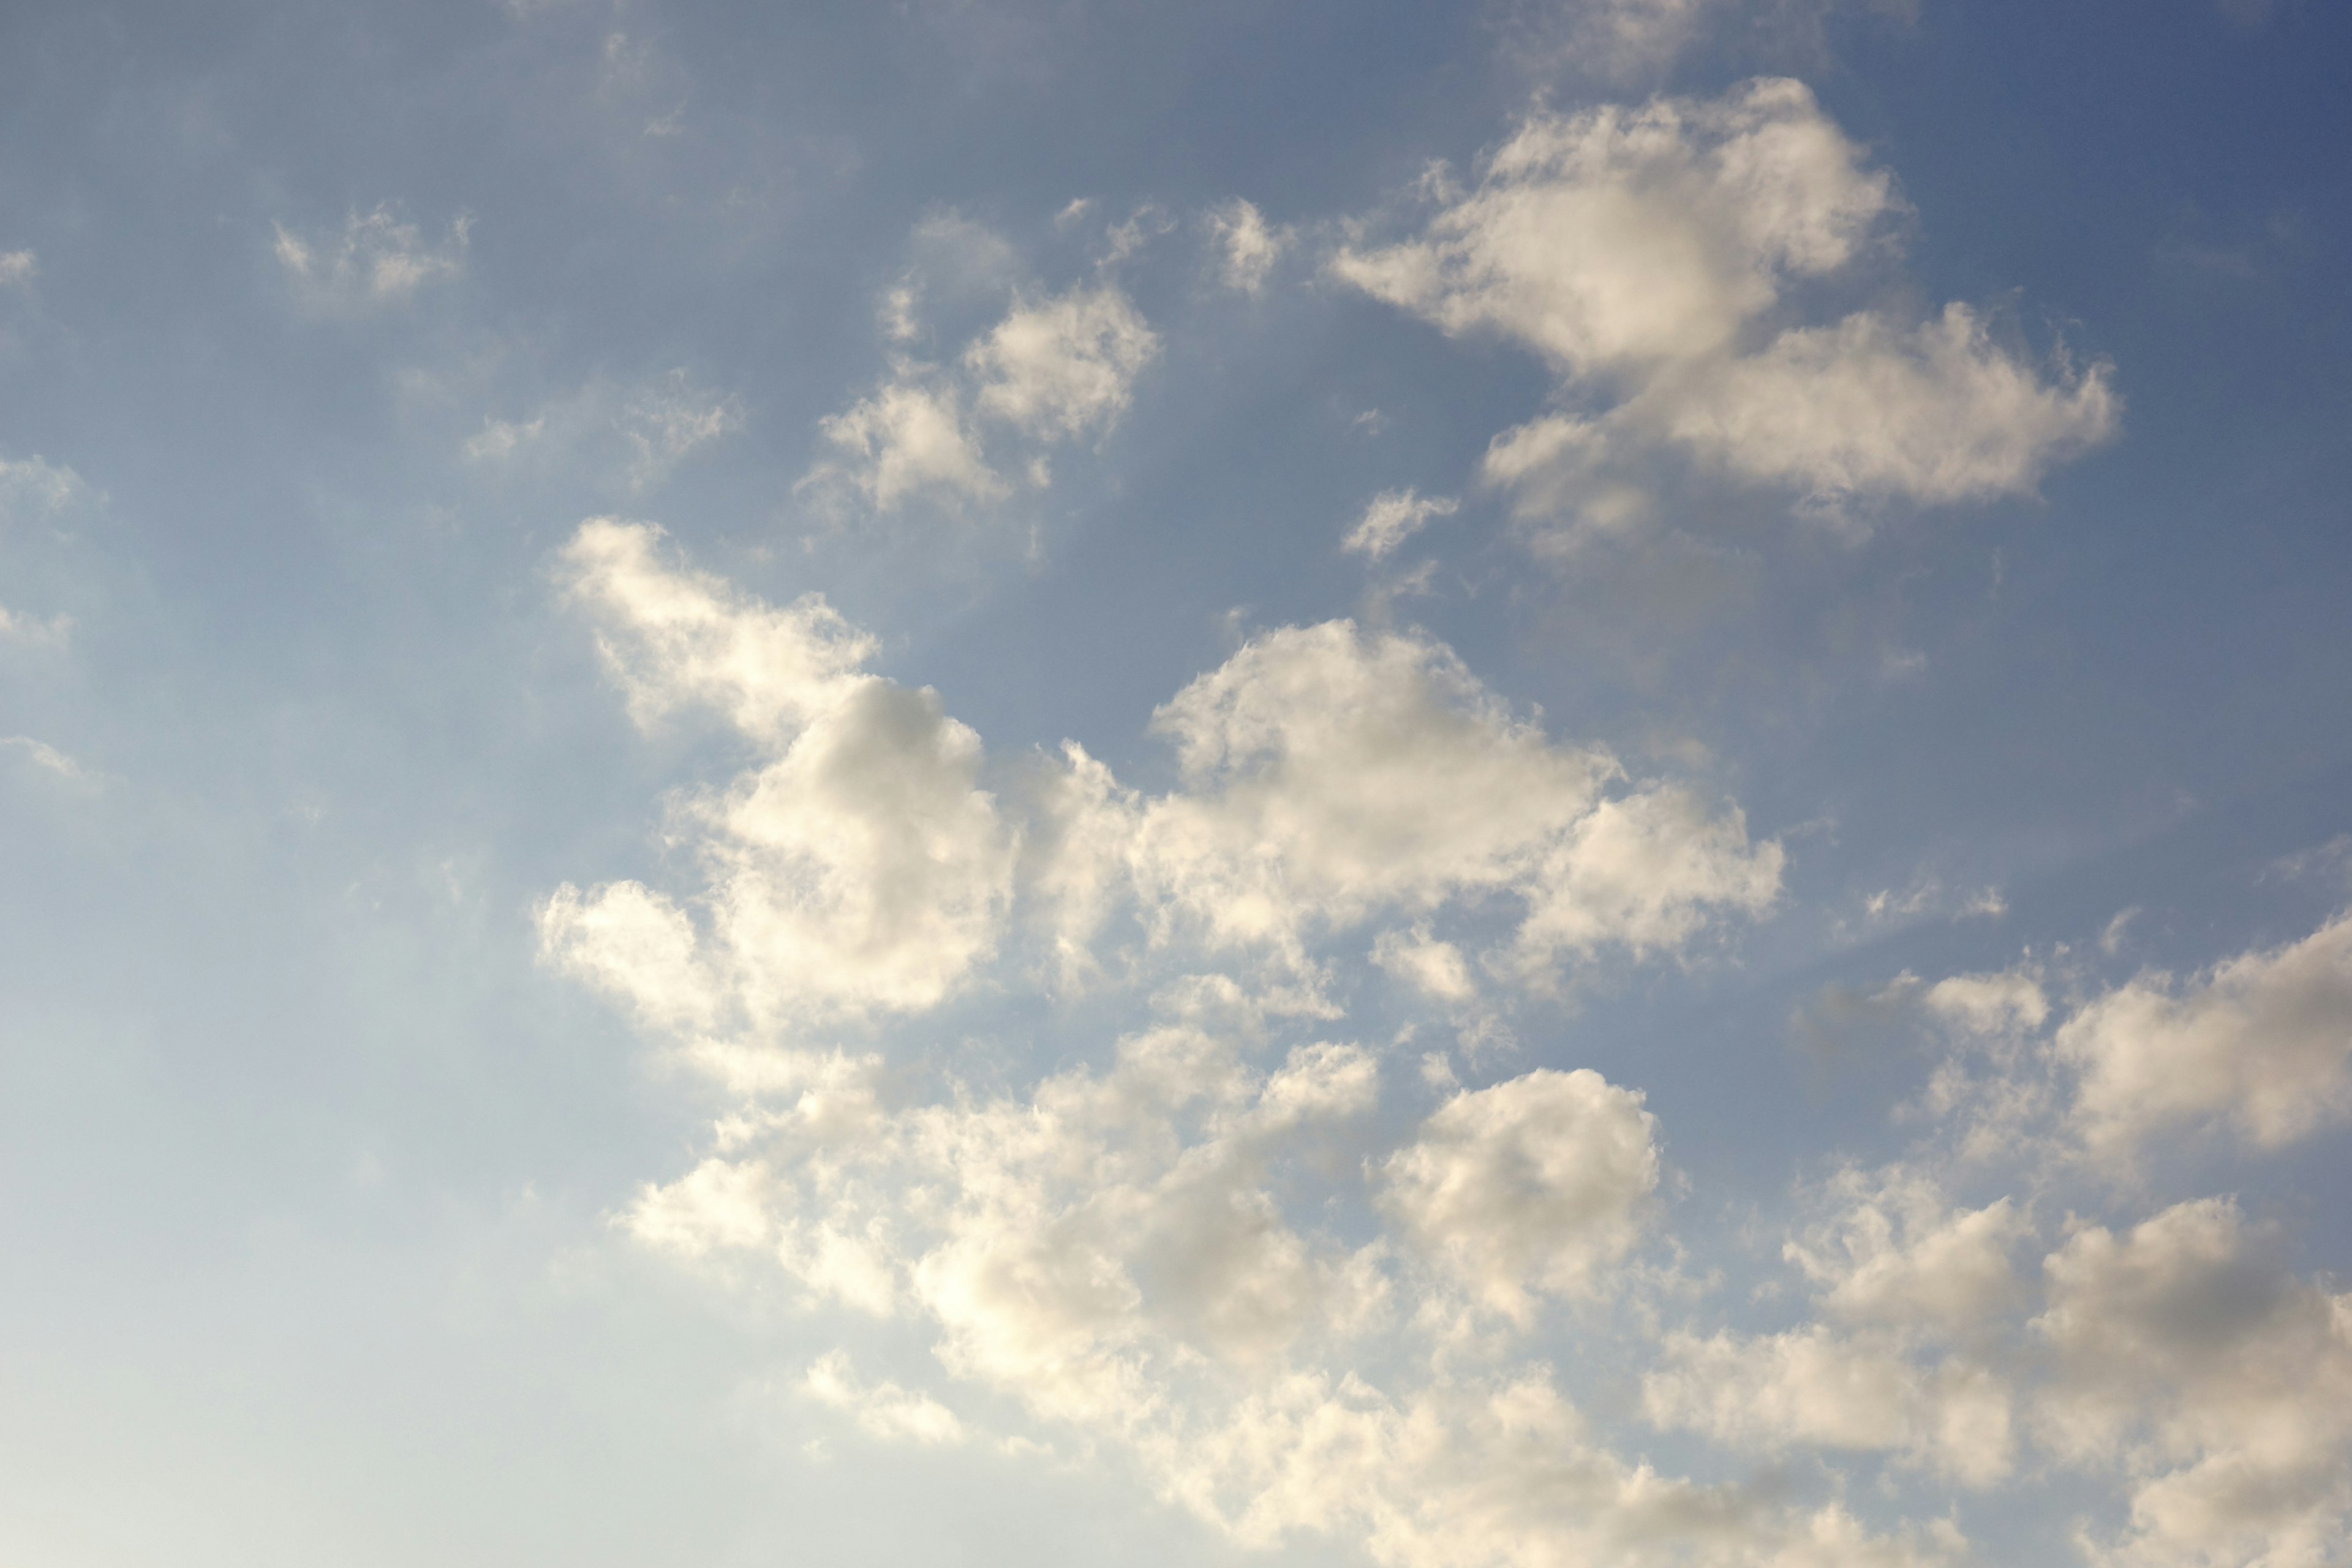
<point>2190,1357</point>
<point>2263,1042</point>
<point>1625,239</point>
<point>1866,410</point>
<point>1536,1183</point>
<point>379,259</point>
<point>859,866</point>
<point>1060,368</point>
<point>1902,1279</point>
<point>1050,370</point>
<point>18,266</point>
<point>1204,1249</point>
<point>1643,251</point>
<point>1329,774</point>
<point>1819,1389</point>
<point>909,439</point>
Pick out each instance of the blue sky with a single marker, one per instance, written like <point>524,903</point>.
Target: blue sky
<point>1557,781</point>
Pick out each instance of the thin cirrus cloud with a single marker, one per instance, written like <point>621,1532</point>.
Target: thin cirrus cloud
<point>1650,250</point>
<point>659,423</point>
<point>377,259</point>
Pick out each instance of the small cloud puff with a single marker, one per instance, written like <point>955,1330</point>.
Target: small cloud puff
<point>1247,248</point>
<point>1393,517</point>
<point>1050,370</point>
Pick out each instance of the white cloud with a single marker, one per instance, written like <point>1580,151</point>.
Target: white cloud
<point>33,485</point>
<point>1153,1251</point>
<point>2263,1042</point>
<point>884,1411</point>
<point>1867,410</point>
<point>858,867</point>
<point>47,758</point>
<point>1814,1388</point>
<point>1060,368</point>
<point>1643,251</point>
<point>379,259</point>
<point>1329,774</point>
<point>1047,373</point>
<point>32,488</point>
<point>1624,238</point>
<point>1892,1255</point>
<point>1394,517</point>
<point>1904,1278</point>
<point>501,438</point>
<point>1247,248</point>
<point>908,439</point>
<point>2222,1384</point>
<point>1536,1182</point>
<point>1434,967</point>
<point>18,266</point>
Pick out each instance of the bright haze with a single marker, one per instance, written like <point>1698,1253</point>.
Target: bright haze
<point>1025,784</point>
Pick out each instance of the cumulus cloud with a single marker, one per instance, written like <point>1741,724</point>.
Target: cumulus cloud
<point>1329,774</point>
<point>18,266</point>
<point>1819,1389</point>
<point>1622,238</point>
<point>379,259</point>
<point>1107,1250</point>
<point>2192,1357</point>
<point>1394,517</point>
<point>1866,410</point>
<point>1198,1244</point>
<point>909,439</point>
<point>1062,367</point>
<point>1642,253</point>
<point>1910,1294</point>
<point>1049,372</point>
<point>2263,1042</point>
<point>858,867</point>
<point>1536,1183</point>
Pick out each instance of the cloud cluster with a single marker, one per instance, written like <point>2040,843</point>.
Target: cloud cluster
<point>1303,1291</point>
<point>1217,1248</point>
<point>1328,777</point>
<point>2176,1356</point>
<point>1648,254</point>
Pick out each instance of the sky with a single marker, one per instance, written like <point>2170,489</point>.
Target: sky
<point>1039,782</point>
